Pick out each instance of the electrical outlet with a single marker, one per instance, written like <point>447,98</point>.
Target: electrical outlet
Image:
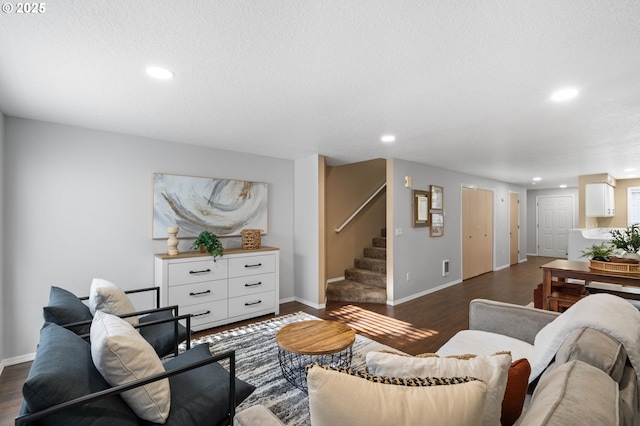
<point>399,231</point>
<point>408,276</point>
<point>445,268</point>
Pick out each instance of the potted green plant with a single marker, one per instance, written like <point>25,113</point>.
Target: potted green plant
<point>208,243</point>
<point>627,240</point>
<point>600,252</point>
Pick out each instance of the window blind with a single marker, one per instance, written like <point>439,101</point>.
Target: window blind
<point>633,205</point>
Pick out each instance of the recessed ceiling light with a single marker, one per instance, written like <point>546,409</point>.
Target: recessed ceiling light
<point>159,73</point>
<point>564,94</point>
<point>388,138</point>
<point>537,179</point>
<point>563,186</point>
<point>630,169</point>
<point>533,183</point>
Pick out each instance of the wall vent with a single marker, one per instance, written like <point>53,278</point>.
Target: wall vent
<point>445,268</point>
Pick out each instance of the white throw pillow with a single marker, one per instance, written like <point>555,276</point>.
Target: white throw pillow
<point>107,297</point>
<point>122,355</point>
<point>337,398</point>
<point>492,369</point>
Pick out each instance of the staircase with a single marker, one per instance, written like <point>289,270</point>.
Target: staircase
<point>366,282</point>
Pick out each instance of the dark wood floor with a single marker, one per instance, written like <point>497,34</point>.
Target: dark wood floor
<point>418,326</point>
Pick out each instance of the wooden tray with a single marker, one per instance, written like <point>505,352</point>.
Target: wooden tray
<point>628,268</point>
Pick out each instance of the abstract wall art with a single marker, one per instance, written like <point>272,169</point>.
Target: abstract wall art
<point>222,206</point>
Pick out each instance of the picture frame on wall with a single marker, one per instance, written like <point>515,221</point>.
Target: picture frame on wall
<point>420,208</point>
<point>437,193</point>
<point>437,225</point>
<point>222,206</point>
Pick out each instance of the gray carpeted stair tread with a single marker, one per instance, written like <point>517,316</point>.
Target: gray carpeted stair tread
<point>377,265</point>
<point>366,276</point>
<point>380,242</point>
<point>375,252</point>
<point>353,291</point>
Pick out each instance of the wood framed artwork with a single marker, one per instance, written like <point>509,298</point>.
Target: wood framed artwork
<point>222,206</point>
<point>420,201</point>
<point>437,225</point>
<point>436,197</point>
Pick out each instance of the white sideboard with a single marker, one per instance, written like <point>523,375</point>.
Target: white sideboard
<point>241,284</point>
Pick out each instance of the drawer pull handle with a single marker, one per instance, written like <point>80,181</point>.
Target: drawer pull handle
<point>200,272</point>
<point>253,284</point>
<point>200,314</point>
<point>253,303</point>
<point>199,293</point>
<point>253,266</point>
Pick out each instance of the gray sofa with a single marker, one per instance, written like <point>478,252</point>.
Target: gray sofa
<point>589,382</point>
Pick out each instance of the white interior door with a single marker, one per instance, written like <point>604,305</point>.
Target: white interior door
<point>555,218</point>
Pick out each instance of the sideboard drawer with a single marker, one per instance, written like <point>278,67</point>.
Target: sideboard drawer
<point>196,271</point>
<point>192,294</point>
<point>242,286</point>
<point>252,265</point>
<point>206,312</point>
<point>254,302</point>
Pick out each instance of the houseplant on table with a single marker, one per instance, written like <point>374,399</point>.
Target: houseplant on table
<point>601,252</point>
<point>208,242</point>
<point>627,241</point>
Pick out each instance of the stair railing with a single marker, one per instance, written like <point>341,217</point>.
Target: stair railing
<point>365,204</point>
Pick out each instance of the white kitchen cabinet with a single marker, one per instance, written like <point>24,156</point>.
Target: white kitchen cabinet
<point>600,200</point>
<point>241,284</point>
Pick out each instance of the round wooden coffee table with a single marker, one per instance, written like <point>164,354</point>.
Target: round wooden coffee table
<point>307,342</point>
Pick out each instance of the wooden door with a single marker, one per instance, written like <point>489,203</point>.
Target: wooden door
<point>487,237</point>
<point>477,228</point>
<point>514,228</point>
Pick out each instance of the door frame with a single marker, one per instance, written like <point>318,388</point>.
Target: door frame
<point>511,193</point>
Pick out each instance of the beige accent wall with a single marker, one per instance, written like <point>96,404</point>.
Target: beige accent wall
<point>620,194</point>
<point>347,187</point>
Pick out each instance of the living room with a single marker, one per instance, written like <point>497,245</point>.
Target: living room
<point>76,164</point>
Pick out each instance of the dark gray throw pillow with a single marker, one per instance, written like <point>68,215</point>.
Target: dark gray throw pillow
<point>201,396</point>
<point>65,308</point>
<point>162,336</point>
<point>63,370</point>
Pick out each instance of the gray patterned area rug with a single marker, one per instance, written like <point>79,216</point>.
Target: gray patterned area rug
<point>257,363</point>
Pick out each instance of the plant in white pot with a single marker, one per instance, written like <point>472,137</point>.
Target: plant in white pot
<point>627,241</point>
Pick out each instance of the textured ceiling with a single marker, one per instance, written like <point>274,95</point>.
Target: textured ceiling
<point>463,85</point>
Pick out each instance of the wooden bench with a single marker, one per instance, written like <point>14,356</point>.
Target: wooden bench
<point>559,300</point>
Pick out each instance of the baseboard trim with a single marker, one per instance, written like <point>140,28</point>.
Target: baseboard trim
<point>423,293</point>
<point>287,300</point>
<point>333,280</point>
<point>499,268</point>
<point>311,304</point>
<point>17,360</point>
<point>523,260</point>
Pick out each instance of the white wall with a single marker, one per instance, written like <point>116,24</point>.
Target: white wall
<point>532,211</point>
<point>78,205</point>
<point>306,231</point>
<point>421,255</point>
